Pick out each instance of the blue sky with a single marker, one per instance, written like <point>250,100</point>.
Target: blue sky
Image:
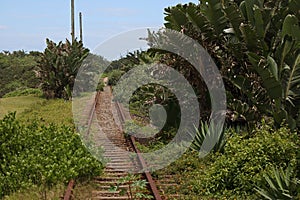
<point>25,24</point>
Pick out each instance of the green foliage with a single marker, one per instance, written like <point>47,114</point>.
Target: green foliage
<point>59,66</point>
<point>41,155</point>
<point>212,133</point>
<point>100,86</point>
<point>38,192</point>
<point>137,187</point>
<point>132,60</point>
<point>280,184</point>
<point>53,111</point>
<point>24,92</point>
<point>18,104</point>
<point>256,44</point>
<point>18,70</point>
<point>246,159</point>
<point>114,76</point>
<point>138,130</point>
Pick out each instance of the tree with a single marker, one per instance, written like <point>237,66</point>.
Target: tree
<point>59,66</point>
<point>17,71</point>
<point>256,44</point>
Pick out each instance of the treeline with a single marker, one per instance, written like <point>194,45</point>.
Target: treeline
<point>18,70</point>
<point>52,71</point>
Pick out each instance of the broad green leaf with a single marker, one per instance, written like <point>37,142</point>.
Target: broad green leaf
<point>272,65</point>
<point>198,20</point>
<point>250,38</point>
<point>259,22</point>
<point>212,10</point>
<point>175,18</point>
<point>249,4</point>
<point>234,15</point>
<point>273,87</point>
<point>294,76</point>
<point>291,27</point>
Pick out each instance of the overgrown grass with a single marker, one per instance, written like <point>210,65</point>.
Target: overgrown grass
<point>25,92</point>
<point>18,104</point>
<point>30,108</point>
<point>38,193</point>
<point>56,111</point>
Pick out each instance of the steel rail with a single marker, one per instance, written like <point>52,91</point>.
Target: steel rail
<point>148,176</point>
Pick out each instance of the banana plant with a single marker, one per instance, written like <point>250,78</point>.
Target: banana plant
<point>256,44</point>
<point>58,67</point>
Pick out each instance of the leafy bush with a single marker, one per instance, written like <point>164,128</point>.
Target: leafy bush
<point>114,76</point>
<point>24,92</point>
<point>246,158</point>
<point>41,155</point>
<point>100,86</point>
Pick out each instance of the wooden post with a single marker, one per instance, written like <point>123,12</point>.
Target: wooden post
<point>80,24</point>
<point>72,21</point>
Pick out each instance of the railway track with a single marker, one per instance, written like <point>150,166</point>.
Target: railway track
<point>120,163</point>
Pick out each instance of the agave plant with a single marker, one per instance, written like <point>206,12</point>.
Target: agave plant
<point>211,133</point>
<point>280,184</point>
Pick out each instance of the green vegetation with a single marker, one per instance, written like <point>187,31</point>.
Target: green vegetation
<point>239,170</point>
<point>31,108</point>
<point>24,92</point>
<point>38,192</point>
<point>59,66</point>
<point>56,111</point>
<point>280,184</point>
<point>18,71</point>
<point>212,131</point>
<point>256,46</point>
<point>246,159</point>
<point>18,104</point>
<point>137,188</point>
<point>41,155</point>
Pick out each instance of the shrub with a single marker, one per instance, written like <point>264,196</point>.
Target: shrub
<point>246,158</point>
<point>41,155</point>
<point>114,76</point>
<point>24,92</point>
<point>100,86</point>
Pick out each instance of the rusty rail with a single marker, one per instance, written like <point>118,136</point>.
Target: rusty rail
<point>148,176</point>
<point>71,184</point>
<point>68,193</point>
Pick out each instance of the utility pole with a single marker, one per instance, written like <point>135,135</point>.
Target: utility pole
<point>72,21</point>
<point>80,24</point>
